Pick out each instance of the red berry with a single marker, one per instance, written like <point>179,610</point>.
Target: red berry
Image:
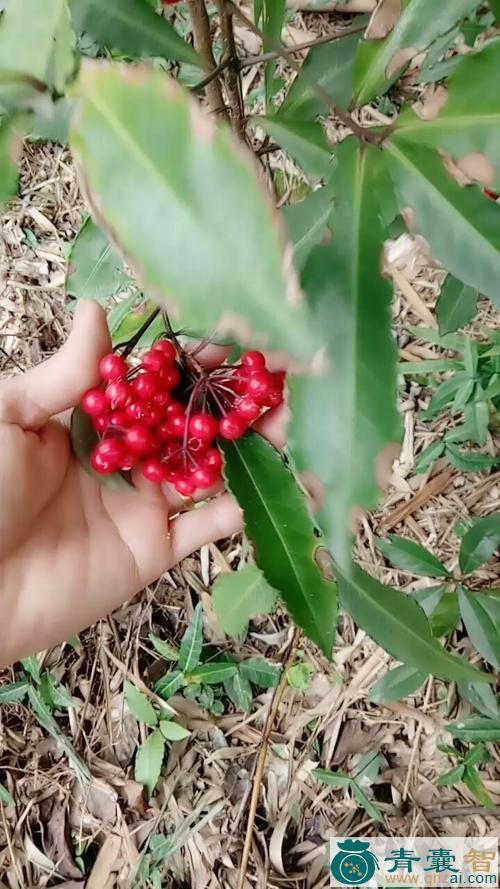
<point>128,462</point>
<point>274,398</point>
<point>95,403</point>
<point>185,487</point>
<point>167,347</point>
<point>171,450</point>
<point>232,426</point>
<point>107,456</point>
<point>155,361</point>
<point>175,407</point>
<point>139,439</point>
<point>177,425</point>
<point>152,415</point>
<point>196,445</point>
<point>213,459</point>
<point>203,426</point>
<point>164,431</point>
<point>173,473</point>
<point>154,470</point>
<point>145,385</point>
<point>162,398</point>
<point>247,408</point>
<point>113,367</point>
<point>119,419</point>
<point>204,478</point>
<point>118,393</point>
<point>259,385</point>
<point>136,410</point>
<point>102,423</point>
<point>253,360</point>
<point>171,377</point>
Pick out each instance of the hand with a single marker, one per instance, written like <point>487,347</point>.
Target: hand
<point>72,550</point>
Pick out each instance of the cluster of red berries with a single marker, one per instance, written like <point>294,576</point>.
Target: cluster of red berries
<point>166,414</point>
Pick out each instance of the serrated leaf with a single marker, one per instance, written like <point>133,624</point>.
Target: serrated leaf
<point>149,760</point>
<point>169,684</point>
<point>331,67</point>
<point>54,694</point>
<point>481,697</point>
<point>411,556</point>
<point>304,140</point>
<point>11,136</point>
<point>131,27</point>
<point>260,671</point>
<point>452,777</point>
<point>47,722</point>
<point>397,684</point>
<point>172,731</point>
<point>164,649</point>
<point>481,617</point>
<point>399,625</point>
<point>211,673</point>
<point>380,62</point>
<point>139,705</point>
<point>456,305</point>
<point>426,457</point>
<point>343,422</point>
<point>31,665</point>
<point>239,691</point>
<point>83,439</point>
<point>192,642</point>
<point>95,268</point>
<point>239,596</point>
<point>34,46</point>
<point>476,786</point>
<point>233,273</point>
<point>461,227</point>
<point>335,779</point>
<point>307,222</point>
<point>6,797</point>
<point>475,728</point>
<point>441,607</point>
<point>282,533</point>
<point>370,808</point>
<point>14,692</point>
<point>470,118</point>
<point>479,543</point>
<point>470,461</point>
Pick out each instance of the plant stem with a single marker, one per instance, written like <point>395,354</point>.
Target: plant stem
<point>131,344</point>
<point>203,45</point>
<point>232,78</point>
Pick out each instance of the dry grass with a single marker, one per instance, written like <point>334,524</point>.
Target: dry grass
<point>201,803</point>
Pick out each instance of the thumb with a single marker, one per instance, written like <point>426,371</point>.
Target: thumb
<point>30,399</point>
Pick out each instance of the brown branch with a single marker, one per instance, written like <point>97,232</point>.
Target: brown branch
<point>293,50</point>
<point>232,75</point>
<point>203,45</point>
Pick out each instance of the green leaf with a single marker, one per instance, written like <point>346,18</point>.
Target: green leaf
<point>380,61</point>
<point>461,227</point>
<point>260,671</point>
<point>201,231</point>
<point>239,691</point>
<point>95,268</point>
<point>410,556</point>
<point>169,684</point>
<point>14,692</point>
<point>343,421</point>
<point>397,684</point>
<point>34,46</point>
<point>83,439</point>
<point>481,697</point>
<point>370,808</point>
<point>172,731</point>
<point>470,118</point>
<point>335,779</point>
<point>52,122</point>
<point>11,136</point>
<point>307,222</point>
<point>47,722</point>
<point>476,786</point>
<point>270,14</point>
<point>456,305</point>
<point>131,27</point>
<point>452,777</point>
<point>149,760</point>
<point>54,694</point>
<point>480,543</point>
<point>31,665</point>
<point>239,596</point>
<point>426,457</point>
<point>433,365</point>
<point>495,8</point>
<point>470,461</point>
<point>481,617</point>
<point>281,530</point>
<point>139,705</point>
<point>399,625</point>
<point>192,642</point>
<point>300,675</point>
<point>440,607</point>
<point>331,66</point>
<point>164,649</point>
<point>304,140</point>
<point>6,797</point>
<point>211,673</point>
<point>475,728</point>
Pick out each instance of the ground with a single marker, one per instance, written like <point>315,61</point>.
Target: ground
<point>60,826</point>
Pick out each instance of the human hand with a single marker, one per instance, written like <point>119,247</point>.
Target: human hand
<point>72,550</point>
